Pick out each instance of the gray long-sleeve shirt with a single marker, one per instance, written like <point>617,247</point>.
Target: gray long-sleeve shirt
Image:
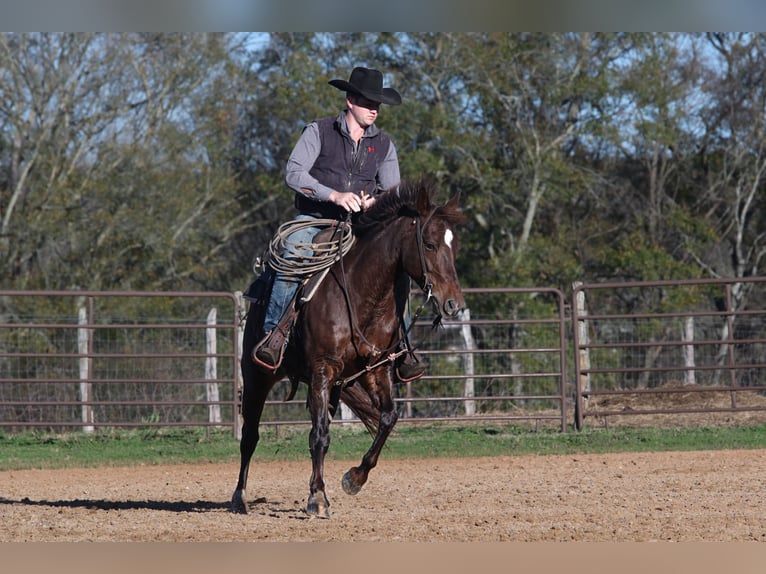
<point>307,149</point>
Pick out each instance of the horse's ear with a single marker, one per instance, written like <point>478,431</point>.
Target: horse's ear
<point>454,201</point>
<point>451,210</point>
<point>424,200</point>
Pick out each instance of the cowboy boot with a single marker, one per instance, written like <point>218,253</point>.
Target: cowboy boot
<point>408,367</point>
<point>268,353</point>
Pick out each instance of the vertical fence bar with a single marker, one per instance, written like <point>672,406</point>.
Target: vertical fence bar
<point>689,361</point>
<point>582,352</point>
<point>211,369</point>
<point>86,364</point>
<point>562,357</point>
<point>731,345</point>
<point>470,345</point>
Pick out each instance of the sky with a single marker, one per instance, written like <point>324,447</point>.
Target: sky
<point>390,15</point>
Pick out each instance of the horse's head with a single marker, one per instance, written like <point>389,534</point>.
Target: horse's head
<point>432,263</point>
<point>425,237</point>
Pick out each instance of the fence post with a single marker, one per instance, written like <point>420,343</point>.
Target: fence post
<point>583,352</point>
<point>470,345</point>
<point>86,363</point>
<point>211,369</point>
<point>688,337</point>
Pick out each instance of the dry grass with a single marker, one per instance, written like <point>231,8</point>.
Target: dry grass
<point>677,405</point>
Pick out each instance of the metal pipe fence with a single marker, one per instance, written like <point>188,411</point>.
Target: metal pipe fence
<point>135,359</point>
<point>669,348</point>
<point>94,359</point>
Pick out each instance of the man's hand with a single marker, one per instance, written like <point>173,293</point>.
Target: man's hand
<point>367,201</point>
<point>351,201</point>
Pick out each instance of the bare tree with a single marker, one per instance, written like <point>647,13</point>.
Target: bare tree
<point>109,167</point>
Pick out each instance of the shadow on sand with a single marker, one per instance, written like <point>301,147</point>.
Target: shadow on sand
<point>164,505</point>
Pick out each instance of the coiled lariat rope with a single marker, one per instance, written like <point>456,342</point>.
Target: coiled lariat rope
<point>324,253</point>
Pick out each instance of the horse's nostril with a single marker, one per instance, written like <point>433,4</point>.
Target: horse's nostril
<point>451,307</point>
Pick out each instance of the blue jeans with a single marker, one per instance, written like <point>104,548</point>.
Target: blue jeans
<point>285,287</point>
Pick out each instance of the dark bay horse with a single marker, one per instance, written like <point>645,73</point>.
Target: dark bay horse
<point>345,335</point>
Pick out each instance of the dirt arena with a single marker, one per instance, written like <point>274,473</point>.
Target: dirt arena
<point>676,496</point>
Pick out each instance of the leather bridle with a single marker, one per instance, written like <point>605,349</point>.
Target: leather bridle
<point>427,286</point>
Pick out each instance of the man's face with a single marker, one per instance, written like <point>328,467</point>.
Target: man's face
<point>364,111</point>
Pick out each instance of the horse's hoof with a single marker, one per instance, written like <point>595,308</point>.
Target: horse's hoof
<point>318,505</point>
<point>238,505</point>
<point>349,485</point>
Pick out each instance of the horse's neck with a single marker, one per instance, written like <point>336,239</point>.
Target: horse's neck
<point>377,260</point>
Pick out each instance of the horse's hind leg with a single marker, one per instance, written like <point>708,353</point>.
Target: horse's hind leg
<point>356,477</point>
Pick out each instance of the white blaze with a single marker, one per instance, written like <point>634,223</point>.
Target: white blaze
<point>448,238</point>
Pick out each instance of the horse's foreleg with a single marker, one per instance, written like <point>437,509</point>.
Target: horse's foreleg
<point>246,449</point>
<point>252,408</point>
<point>355,478</point>
<point>319,442</point>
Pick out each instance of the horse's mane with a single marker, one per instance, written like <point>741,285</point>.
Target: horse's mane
<point>402,201</point>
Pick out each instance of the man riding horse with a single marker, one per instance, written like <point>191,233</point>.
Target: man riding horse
<point>338,166</point>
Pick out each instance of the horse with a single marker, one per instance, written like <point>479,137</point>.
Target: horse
<point>343,339</point>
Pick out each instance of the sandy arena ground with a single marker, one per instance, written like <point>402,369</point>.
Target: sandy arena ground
<point>676,496</point>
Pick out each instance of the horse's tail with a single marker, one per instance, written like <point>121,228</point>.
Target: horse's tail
<point>361,405</point>
<point>294,382</point>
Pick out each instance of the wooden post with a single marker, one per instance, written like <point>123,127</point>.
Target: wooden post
<point>346,414</point>
<point>583,340</point>
<point>408,405</point>
<point>688,337</point>
<point>86,364</point>
<point>211,369</point>
<point>470,345</point>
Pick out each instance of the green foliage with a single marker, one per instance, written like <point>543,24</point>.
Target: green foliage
<point>635,257</point>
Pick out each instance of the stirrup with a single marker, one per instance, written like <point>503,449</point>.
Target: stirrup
<point>269,352</point>
<point>409,369</point>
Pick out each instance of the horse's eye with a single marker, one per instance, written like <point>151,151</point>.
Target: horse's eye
<point>429,246</point>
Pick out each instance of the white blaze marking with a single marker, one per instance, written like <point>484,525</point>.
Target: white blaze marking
<point>448,238</point>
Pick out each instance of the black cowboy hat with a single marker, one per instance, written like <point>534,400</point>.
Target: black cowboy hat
<point>368,83</point>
